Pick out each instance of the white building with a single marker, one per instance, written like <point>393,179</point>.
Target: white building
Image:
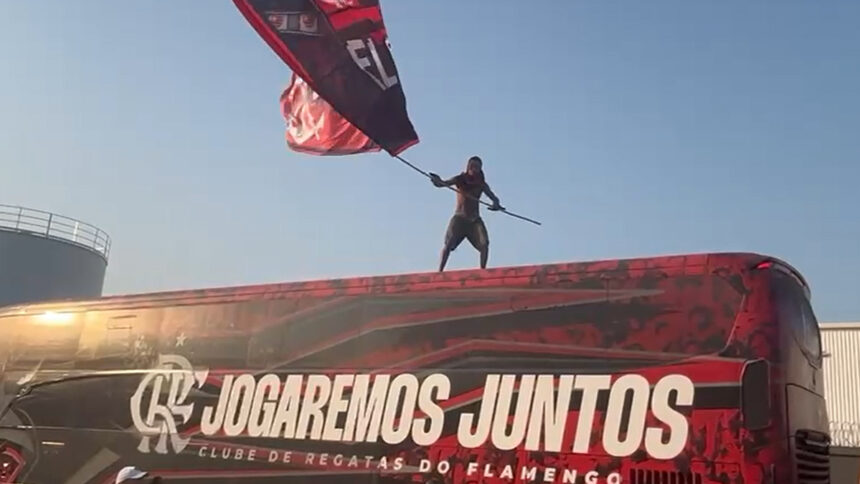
<point>841,342</point>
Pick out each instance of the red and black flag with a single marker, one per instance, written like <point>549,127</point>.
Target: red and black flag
<point>351,100</point>
<point>313,127</point>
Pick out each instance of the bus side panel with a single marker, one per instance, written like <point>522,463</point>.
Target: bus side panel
<point>640,321</point>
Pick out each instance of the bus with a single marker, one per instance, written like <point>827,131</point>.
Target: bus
<point>699,369</point>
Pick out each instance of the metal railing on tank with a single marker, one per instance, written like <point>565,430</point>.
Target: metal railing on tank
<point>54,226</point>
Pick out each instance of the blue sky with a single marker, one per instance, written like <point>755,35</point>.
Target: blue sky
<point>629,129</point>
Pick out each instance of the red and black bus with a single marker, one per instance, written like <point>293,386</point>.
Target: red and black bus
<point>697,369</point>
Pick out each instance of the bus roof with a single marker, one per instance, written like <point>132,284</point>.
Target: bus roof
<point>420,281</point>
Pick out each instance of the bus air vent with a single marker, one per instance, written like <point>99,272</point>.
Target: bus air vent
<point>646,476</point>
<point>812,454</point>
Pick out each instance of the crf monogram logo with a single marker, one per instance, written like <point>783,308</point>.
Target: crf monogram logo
<point>167,388</point>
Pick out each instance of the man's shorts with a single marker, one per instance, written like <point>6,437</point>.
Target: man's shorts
<point>460,228</point>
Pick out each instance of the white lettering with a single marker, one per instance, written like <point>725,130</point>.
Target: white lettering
<point>212,421</point>
<point>387,80</point>
<point>395,428</point>
<point>364,417</point>
<point>336,406</point>
<point>239,406</point>
<point>590,386</point>
<point>549,415</point>
<point>422,435</point>
<point>353,46</point>
<point>264,405</point>
<point>317,392</point>
<point>663,411</point>
<point>284,423</point>
<point>612,440</point>
<point>381,78</point>
<point>501,438</point>
<point>528,473</point>
<point>466,436</point>
<point>513,411</point>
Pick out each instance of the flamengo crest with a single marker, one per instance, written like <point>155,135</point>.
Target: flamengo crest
<point>155,416</point>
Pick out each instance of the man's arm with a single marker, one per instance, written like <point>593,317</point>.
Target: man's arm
<point>439,182</point>
<point>489,192</point>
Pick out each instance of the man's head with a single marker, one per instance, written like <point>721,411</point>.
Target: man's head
<point>474,166</point>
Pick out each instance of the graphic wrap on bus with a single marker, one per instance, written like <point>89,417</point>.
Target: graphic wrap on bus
<point>608,372</point>
<point>527,411</point>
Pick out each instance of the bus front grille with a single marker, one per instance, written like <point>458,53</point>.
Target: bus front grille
<point>645,476</point>
<point>812,457</point>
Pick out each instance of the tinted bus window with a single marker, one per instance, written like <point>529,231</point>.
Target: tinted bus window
<point>794,309</point>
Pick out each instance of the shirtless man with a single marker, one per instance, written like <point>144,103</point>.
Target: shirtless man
<point>466,222</point>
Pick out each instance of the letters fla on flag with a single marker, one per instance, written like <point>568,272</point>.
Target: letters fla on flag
<point>340,49</point>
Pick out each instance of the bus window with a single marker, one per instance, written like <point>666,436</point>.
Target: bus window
<point>794,308</point>
<point>811,332</point>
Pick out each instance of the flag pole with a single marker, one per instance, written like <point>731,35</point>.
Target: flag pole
<point>503,210</point>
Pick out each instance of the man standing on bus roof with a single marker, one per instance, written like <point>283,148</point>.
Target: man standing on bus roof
<point>466,223</point>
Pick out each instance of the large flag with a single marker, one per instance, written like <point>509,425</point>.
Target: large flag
<point>314,127</point>
<point>339,48</point>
